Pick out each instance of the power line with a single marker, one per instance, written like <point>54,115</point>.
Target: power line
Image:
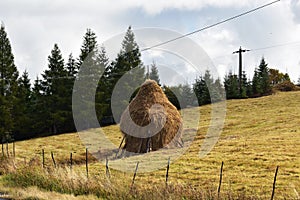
<point>296,43</point>
<point>196,31</point>
<point>277,45</point>
<point>211,26</point>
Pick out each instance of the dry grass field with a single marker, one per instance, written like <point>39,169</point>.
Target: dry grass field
<point>258,135</point>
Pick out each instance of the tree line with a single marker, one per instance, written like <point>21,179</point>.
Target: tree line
<point>45,107</point>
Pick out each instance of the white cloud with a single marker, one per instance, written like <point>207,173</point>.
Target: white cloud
<point>295,7</point>
<point>34,26</point>
<point>158,6</point>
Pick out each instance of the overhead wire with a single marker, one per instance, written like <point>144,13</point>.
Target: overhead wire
<point>296,43</point>
<point>277,45</point>
<point>211,26</point>
<point>204,28</point>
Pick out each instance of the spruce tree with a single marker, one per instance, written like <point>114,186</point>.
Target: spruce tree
<point>71,67</point>
<point>201,88</point>
<point>88,46</point>
<point>153,75</point>
<point>263,72</point>
<point>22,108</point>
<point>8,86</point>
<point>128,59</point>
<point>207,89</point>
<point>261,82</point>
<point>71,72</point>
<point>103,91</point>
<point>54,89</point>
<point>173,94</point>
<point>38,108</point>
<point>246,88</point>
<point>231,84</point>
<point>187,96</point>
<point>256,87</point>
<point>92,63</point>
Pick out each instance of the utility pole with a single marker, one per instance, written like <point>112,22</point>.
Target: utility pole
<point>240,51</point>
<point>148,72</point>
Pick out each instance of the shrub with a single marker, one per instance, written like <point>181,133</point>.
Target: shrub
<point>285,86</point>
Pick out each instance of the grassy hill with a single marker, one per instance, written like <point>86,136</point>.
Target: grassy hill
<point>259,135</point>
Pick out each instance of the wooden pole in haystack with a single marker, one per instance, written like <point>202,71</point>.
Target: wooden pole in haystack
<point>120,146</point>
<point>133,179</point>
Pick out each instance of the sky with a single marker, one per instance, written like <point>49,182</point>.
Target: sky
<point>34,26</point>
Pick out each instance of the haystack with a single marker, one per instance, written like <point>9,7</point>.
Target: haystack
<point>157,123</point>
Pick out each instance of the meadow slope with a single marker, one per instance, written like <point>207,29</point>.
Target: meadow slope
<point>258,135</point>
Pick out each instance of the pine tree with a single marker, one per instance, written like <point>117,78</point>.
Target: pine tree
<point>256,87</point>
<point>54,89</point>
<point>8,86</point>
<point>38,109</point>
<point>128,59</point>
<point>22,108</point>
<point>263,72</point>
<point>231,84</point>
<point>92,63</point>
<point>261,81</point>
<point>201,88</point>
<point>187,96</point>
<point>173,94</point>
<point>246,86</point>
<point>71,66</point>
<point>88,46</point>
<point>153,75</point>
<point>217,91</point>
<point>102,106</point>
<point>207,89</point>
<point>71,72</point>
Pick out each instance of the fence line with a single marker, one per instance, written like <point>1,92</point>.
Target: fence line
<point>136,169</point>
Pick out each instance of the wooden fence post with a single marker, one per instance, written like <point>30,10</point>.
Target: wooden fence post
<point>14,150</point>
<point>86,163</point>
<point>274,183</point>
<point>220,182</point>
<point>71,161</point>
<point>167,173</point>
<point>133,179</point>
<point>43,157</point>
<point>2,148</point>
<point>107,169</point>
<point>52,156</point>
<point>7,151</point>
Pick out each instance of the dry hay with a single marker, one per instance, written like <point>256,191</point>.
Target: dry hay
<point>151,105</point>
